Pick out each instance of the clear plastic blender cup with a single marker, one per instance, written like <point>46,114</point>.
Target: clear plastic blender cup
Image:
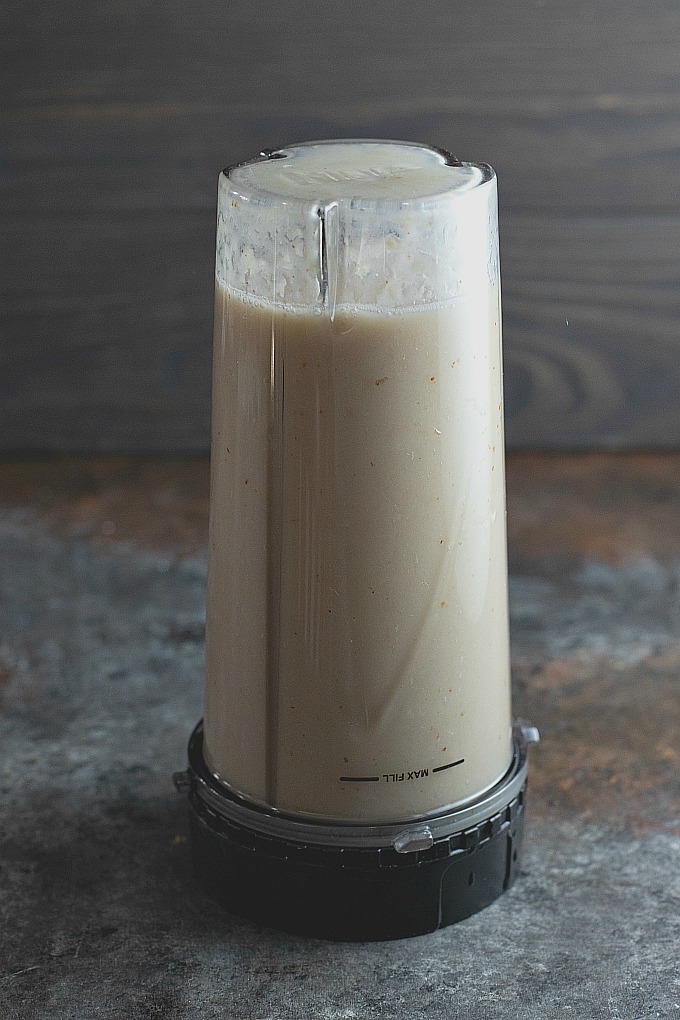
<point>358,682</point>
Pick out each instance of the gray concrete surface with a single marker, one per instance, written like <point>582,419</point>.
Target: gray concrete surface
<point>101,658</point>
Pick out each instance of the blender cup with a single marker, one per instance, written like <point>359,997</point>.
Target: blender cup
<point>357,774</point>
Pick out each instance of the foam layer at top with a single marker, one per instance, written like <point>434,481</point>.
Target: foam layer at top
<point>373,170</point>
<point>371,224</point>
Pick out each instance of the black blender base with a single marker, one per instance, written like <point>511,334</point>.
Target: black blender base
<point>356,900</point>
<point>349,893</point>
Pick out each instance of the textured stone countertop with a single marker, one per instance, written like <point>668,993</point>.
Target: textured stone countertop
<point>102,586</point>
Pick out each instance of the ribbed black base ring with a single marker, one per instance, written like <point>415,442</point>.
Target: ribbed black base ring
<point>351,894</point>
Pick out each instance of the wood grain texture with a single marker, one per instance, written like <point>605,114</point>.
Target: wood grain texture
<point>116,118</point>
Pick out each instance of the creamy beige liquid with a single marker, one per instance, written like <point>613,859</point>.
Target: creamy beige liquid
<point>357,632</point>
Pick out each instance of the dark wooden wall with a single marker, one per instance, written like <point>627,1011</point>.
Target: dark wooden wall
<point>116,116</point>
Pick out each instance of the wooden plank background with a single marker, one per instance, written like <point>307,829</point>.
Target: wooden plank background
<point>116,117</point>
